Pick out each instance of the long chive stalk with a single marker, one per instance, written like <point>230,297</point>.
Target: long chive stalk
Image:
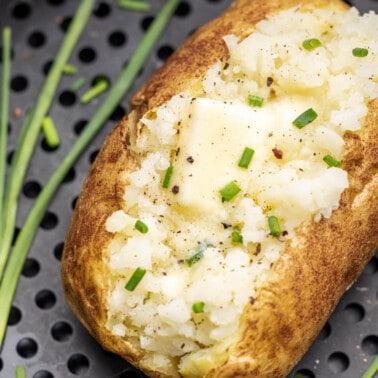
<point>372,370</point>
<point>123,83</point>
<point>26,149</point>
<point>4,114</point>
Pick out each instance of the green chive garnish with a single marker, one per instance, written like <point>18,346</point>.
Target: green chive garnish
<point>141,227</point>
<point>274,226</point>
<point>229,191</point>
<point>360,52</point>
<point>331,161</point>
<point>69,69</point>
<point>246,157</point>
<point>50,132</point>
<point>135,279</point>
<point>305,118</point>
<point>198,307</point>
<point>311,44</point>
<point>167,177</point>
<point>4,117</point>
<point>134,5</point>
<point>199,253</point>
<point>255,100</point>
<point>77,84</point>
<point>20,372</point>
<point>96,90</point>
<point>236,237</point>
<point>372,369</point>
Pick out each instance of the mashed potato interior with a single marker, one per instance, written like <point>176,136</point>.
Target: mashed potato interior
<point>205,252</point>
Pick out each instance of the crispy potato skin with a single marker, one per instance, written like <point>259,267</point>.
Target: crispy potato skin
<point>310,276</point>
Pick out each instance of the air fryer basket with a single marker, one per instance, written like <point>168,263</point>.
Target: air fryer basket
<point>43,335</point>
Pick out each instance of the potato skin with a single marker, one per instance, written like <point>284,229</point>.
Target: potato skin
<point>310,276</point>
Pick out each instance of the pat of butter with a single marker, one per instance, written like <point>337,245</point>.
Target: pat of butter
<point>212,140</point>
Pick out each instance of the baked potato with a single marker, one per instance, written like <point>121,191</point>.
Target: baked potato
<point>226,215</point>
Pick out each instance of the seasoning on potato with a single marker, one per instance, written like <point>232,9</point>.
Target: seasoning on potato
<point>251,171</point>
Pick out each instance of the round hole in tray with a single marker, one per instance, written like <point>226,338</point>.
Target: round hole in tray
<point>74,201</point>
<point>130,373</point>
<point>27,347</point>
<point>79,126</point>
<point>78,364</point>
<point>338,362</point>
<point>1,364</point>
<point>353,313</point>
<point>370,345</point>
<point>164,52</point>
<point>70,176</point>
<point>183,9</point>
<point>102,10</point>
<point>87,55</point>
<point>61,331</point>
<point>46,67</point>
<point>45,299</point>
<point>117,38</point>
<point>372,266</point>
<point>21,10</point>
<point>19,83</point>
<point>15,235</point>
<point>58,251</point>
<point>93,156</point>
<point>65,24</point>
<point>325,332</point>
<point>55,2</point>
<point>67,98</point>
<point>43,374</point>
<point>37,39</point>
<point>31,189</point>
<point>118,113</point>
<point>31,268</point>
<point>304,373</point>
<point>49,221</point>
<point>146,22</point>
<point>14,316</point>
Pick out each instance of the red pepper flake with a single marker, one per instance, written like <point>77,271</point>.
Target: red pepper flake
<point>277,153</point>
<point>258,249</point>
<point>175,189</point>
<point>190,159</point>
<point>269,81</point>
<point>251,300</point>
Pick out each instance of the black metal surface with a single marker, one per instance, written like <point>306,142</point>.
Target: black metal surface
<point>43,335</point>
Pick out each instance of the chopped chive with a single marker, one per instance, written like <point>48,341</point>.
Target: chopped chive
<point>372,369</point>
<point>255,100</point>
<point>135,279</point>
<point>20,372</point>
<point>50,132</point>
<point>274,226</point>
<point>96,90</point>
<point>167,177</point>
<point>77,84</point>
<point>246,157</point>
<point>311,44</point>
<point>305,118</point>
<point>236,237</point>
<point>198,307</point>
<point>360,52</point>
<point>122,85</point>
<point>199,253</point>
<point>27,144</point>
<point>134,5</point>
<point>229,191</point>
<point>5,87</point>
<point>141,227</point>
<point>69,69</point>
<point>331,161</point>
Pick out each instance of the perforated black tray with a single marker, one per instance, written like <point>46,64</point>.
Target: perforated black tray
<point>43,335</point>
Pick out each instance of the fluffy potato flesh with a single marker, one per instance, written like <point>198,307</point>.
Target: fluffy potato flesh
<point>229,196</point>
